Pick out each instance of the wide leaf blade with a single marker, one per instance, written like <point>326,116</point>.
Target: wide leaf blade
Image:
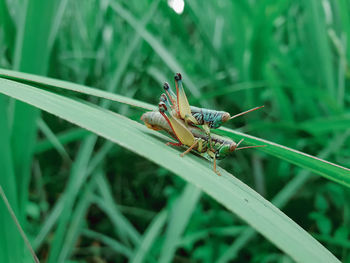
<point>227,190</point>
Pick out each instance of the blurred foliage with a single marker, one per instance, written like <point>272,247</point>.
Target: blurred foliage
<point>291,56</point>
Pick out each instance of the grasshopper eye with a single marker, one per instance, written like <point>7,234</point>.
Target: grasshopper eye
<point>162,107</point>
<point>163,98</point>
<point>166,86</point>
<point>178,77</point>
<point>233,147</point>
<point>225,117</point>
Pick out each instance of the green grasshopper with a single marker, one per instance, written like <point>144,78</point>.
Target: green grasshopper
<point>190,136</point>
<point>206,118</point>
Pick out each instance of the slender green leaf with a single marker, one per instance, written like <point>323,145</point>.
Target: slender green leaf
<point>115,245</point>
<point>124,228</point>
<point>281,199</point>
<point>149,238</point>
<point>55,83</point>
<point>179,218</point>
<point>324,168</point>
<point>77,178</point>
<point>53,139</point>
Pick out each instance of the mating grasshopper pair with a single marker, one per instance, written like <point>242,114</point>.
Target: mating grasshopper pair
<point>190,126</point>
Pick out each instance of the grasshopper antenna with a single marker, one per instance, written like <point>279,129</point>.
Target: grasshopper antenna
<point>245,112</point>
<point>246,147</point>
<point>171,95</point>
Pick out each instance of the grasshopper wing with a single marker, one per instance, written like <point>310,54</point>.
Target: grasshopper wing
<point>182,102</point>
<point>181,132</point>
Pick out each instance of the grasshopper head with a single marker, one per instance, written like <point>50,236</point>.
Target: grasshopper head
<point>162,107</point>
<point>219,119</point>
<point>163,98</point>
<point>166,86</point>
<point>233,146</point>
<point>225,150</point>
<point>225,117</point>
<point>178,77</point>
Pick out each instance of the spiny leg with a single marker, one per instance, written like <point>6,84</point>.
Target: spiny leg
<point>216,171</point>
<point>189,149</point>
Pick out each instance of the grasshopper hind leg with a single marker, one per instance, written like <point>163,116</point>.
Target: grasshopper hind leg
<point>213,156</point>
<point>214,167</point>
<point>189,149</point>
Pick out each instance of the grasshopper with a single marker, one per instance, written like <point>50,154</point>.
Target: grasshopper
<point>206,118</point>
<point>192,137</point>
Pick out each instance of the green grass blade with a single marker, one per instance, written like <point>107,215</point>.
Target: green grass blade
<point>327,125</point>
<point>321,167</point>
<point>15,220</point>
<point>45,129</point>
<point>31,55</point>
<point>49,223</point>
<point>113,244</point>
<point>127,55</point>
<point>149,238</point>
<point>319,45</point>
<point>63,138</point>
<point>124,228</point>
<point>77,177</point>
<point>157,46</point>
<point>331,171</point>
<point>65,85</point>
<point>179,218</point>
<point>8,182</point>
<point>76,221</point>
<point>281,199</point>
<point>227,190</point>
<point>7,27</point>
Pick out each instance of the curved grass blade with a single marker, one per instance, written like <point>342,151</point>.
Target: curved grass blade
<point>227,190</point>
<point>321,167</point>
<point>116,246</point>
<point>14,218</point>
<point>327,169</point>
<point>49,83</point>
<point>149,238</point>
<point>179,218</point>
<point>157,46</point>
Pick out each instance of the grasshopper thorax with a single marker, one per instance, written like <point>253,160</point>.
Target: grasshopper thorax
<point>217,119</point>
<point>225,149</point>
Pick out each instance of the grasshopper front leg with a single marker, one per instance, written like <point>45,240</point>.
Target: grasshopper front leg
<point>214,167</point>
<point>190,148</point>
<point>206,129</point>
<point>212,154</point>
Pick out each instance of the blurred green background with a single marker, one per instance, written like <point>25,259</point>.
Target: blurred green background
<point>291,56</point>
